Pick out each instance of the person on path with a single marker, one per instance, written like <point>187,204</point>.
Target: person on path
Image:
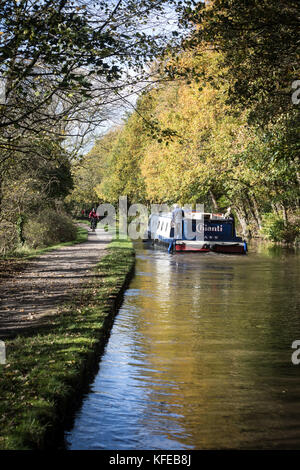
<point>93,218</point>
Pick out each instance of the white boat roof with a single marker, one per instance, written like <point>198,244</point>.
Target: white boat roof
<point>193,215</point>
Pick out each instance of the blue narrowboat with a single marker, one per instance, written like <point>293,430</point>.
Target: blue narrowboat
<point>195,232</point>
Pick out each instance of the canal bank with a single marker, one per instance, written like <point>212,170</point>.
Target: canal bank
<point>47,370</point>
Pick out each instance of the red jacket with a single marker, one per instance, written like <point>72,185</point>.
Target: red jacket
<point>93,215</point>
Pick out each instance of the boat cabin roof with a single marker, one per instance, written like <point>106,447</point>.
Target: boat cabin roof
<point>195,215</point>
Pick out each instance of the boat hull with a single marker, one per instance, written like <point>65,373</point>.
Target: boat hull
<point>201,247</point>
<point>234,248</point>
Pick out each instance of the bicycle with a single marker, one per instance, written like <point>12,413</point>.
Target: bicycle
<point>93,224</point>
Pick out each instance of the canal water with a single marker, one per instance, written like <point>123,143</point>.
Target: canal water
<point>199,357</point>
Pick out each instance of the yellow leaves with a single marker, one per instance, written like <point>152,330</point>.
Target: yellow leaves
<point>205,136</point>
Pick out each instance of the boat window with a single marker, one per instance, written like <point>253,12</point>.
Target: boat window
<point>162,226</point>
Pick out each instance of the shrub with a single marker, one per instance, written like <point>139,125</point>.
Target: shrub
<point>8,237</point>
<point>273,229</point>
<point>48,228</point>
<point>292,233</point>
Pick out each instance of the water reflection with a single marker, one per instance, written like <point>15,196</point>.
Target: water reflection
<point>199,357</point>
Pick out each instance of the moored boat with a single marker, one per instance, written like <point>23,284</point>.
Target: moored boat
<point>193,231</point>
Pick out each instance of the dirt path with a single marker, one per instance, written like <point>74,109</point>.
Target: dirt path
<point>29,297</point>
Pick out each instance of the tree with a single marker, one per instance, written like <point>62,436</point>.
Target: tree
<point>89,171</point>
<point>258,40</point>
<point>28,190</point>
<point>62,64</point>
<point>60,58</point>
<point>210,154</point>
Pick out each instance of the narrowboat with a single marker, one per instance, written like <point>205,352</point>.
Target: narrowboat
<point>195,232</point>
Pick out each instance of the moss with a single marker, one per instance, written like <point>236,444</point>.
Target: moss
<point>47,370</point>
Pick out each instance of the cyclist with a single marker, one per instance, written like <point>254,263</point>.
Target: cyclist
<point>94,218</point>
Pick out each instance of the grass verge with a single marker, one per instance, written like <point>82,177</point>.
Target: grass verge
<point>46,371</point>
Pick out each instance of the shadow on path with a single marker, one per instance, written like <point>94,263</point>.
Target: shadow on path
<point>28,298</point>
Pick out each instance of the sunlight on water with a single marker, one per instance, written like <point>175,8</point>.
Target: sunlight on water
<point>199,357</point>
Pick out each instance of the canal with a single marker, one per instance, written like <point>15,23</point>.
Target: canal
<point>199,357</point>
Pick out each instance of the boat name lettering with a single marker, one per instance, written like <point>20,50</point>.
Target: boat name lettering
<point>209,228</point>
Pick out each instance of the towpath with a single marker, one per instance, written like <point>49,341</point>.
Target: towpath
<point>27,298</point>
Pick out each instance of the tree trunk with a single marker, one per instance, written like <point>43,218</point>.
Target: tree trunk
<point>1,180</point>
<point>246,217</point>
<point>214,201</point>
<point>257,212</point>
<point>285,216</point>
<point>243,220</point>
<point>298,182</point>
<point>251,209</point>
<point>275,208</point>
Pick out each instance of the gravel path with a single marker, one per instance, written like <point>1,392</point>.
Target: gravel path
<point>29,297</point>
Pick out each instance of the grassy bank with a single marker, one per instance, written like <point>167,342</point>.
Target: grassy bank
<point>46,371</point>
